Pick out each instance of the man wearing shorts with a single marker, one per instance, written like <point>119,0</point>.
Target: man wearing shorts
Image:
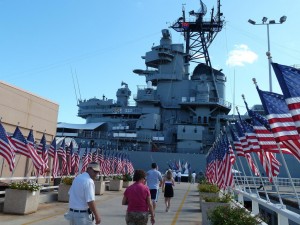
<point>154,182</point>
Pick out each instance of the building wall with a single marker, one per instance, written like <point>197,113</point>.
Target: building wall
<point>28,111</point>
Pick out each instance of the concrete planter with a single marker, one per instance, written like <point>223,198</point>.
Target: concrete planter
<point>21,201</point>
<point>115,185</point>
<point>99,187</point>
<point>63,193</point>
<point>207,206</point>
<point>126,184</point>
<point>203,195</point>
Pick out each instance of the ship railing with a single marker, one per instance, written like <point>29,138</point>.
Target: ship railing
<point>192,99</point>
<point>259,190</point>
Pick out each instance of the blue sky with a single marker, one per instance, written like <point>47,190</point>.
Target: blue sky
<point>42,43</point>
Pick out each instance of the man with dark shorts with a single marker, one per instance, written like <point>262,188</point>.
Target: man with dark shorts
<point>154,182</point>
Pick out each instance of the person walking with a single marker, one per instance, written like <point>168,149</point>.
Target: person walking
<point>154,182</point>
<point>167,186</point>
<point>82,206</point>
<point>174,175</point>
<point>138,198</point>
<point>178,177</point>
<point>193,177</point>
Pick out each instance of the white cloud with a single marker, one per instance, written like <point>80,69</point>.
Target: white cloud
<point>240,56</point>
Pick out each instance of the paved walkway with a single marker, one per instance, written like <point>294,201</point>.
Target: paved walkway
<point>184,210</point>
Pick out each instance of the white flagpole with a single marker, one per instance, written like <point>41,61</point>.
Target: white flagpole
<point>289,175</point>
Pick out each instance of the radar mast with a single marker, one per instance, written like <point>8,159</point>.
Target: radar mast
<point>200,33</point>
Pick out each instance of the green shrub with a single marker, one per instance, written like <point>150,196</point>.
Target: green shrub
<point>67,180</point>
<point>127,177</point>
<point>224,199</point>
<point>208,187</point>
<point>25,185</point>
<point>226,215</point>
<point>118,177</point>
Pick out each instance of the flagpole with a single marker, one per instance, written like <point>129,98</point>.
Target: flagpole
<point>273,180</point>
<point>289,175</point>
<point>260,177</point>
<point>244,174</point>
<point>2,167</point>
<point>236,181</point>
<point>12,173</point>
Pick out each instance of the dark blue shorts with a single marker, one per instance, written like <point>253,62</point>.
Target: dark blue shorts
<point>154,194</point>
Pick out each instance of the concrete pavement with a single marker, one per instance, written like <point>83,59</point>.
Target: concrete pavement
<point>184,210</point>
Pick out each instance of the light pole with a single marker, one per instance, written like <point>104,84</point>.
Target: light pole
<point>268,53</point>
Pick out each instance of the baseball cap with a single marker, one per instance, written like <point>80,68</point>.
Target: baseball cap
<point>95,166</point>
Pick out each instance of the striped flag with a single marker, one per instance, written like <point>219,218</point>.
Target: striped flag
<point>5,149</point>
<point>62,153</point>
<point>268,160</point>
<point>289,80</point>
<point>85,160</point>
<point>19,142</point>
<point>52,148</point>
<point>42,148</point>
<point>244,144</point>
<point>55,163</point>
<point>280,120</point>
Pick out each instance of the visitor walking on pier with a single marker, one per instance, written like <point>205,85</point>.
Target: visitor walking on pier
<point>138,198</point>
<point>82,204</point>
<point>154,182</point>
<point>178,177</point>
<point>193,177</point>
<point>167,186</point>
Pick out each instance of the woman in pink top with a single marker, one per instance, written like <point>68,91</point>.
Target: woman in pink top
<point>137,197</point>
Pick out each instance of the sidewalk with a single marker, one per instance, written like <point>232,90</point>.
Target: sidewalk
<point>184,210</point>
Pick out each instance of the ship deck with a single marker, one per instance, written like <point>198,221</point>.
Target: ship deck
<point>184,210</point>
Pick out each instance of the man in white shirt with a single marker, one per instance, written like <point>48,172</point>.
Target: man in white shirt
<point>82,198</point>
<point>178,177</point>
<point>154,182</point>
<point>193,177</point>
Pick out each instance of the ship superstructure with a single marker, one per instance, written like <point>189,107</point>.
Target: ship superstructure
<point>176,110</point>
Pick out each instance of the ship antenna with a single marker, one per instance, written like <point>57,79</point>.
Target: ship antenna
<point>183,18</point>
<point>200,33</point>
<point>78,86</point>
<point>74,85</point>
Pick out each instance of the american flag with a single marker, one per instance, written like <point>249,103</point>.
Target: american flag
<point>77,160</point>
<point>95,156</point>
<point>221,162</point>
<point>119,164</point>
<point>42,148</point>
<point>62,153</point>
<point>268,160</point>
<point>55,163</point>
<point>70,158</point>
<point>228,162</point>
<point>210,171</point>
<point>280,120</point>
<point>19,142</point>
<point>130,166</point>
<point>289,81</point>
<point>242,139</point>
<point>85,160</point>
<point>52,148</point>
<point>5,149</point>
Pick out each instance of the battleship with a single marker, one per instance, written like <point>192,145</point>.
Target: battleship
<point>178,111</point>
